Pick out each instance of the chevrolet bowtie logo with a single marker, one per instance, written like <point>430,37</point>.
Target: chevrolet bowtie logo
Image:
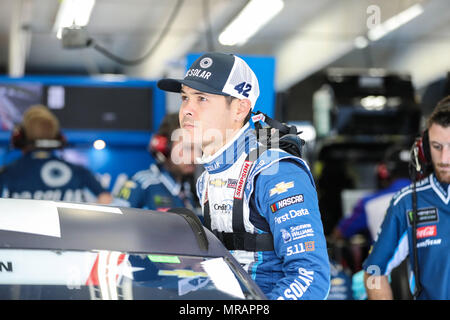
<point>281,188</point>
<point>217,183</point>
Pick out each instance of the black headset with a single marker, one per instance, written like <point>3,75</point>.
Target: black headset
<point>19,140</point>
<point>160,147</point>
<point>160,144</point>
<point>421,156</point>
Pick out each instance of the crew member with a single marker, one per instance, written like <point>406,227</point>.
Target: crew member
<point>40,173</point>
<point>423,206</point>
<point>167,183</point>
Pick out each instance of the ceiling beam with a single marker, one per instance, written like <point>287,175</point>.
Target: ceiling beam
<point>19,37</point>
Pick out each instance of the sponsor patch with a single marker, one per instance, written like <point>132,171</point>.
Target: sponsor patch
<point>299,286</point>
<point>224,207</point>
<point>232,183</point>
<point>206,62</point>
<point>297,232</point>
<point>429,242</point>
<point>300,248</point>
<point>258,117</point>
<point>425,215</point>
<point>291,215</point>
<point>198,73</point>
<point>217,183</point>
<point>309,246</point>
<point>239,193</point>
<point>427,231</point>
<point>286,236</point>
<point>162,201</point>
<point>283,203</point>
<point>281,187</point>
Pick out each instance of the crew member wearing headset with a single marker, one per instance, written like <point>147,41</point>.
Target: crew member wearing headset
<point>167,183</point>
<point>40,173</point>
<point>423,206</point>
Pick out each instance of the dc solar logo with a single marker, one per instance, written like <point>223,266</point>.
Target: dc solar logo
<point>206,63</point>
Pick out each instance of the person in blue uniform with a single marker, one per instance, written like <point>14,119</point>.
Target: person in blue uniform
<point>368,214</point>
<point>166,184</point>
<point>264,209</point>
<point>424,205</point>
<point>40,173</point>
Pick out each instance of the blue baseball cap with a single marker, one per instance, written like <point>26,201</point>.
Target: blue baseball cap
<point>218,73</point>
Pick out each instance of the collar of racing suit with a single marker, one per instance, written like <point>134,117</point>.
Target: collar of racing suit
<point>166,179</point>
<point>225,157</point>
<point>441,188</point>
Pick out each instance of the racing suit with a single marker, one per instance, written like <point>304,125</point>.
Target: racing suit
<point>155,189</point>
<point>42,175</point>
<point>395,238</point>
<point>369,212</point>
<point>279,203</point>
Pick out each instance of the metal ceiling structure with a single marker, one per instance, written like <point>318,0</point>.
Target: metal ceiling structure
<point>305,37</point>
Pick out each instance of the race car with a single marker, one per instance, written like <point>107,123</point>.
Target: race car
<point>59,251</point>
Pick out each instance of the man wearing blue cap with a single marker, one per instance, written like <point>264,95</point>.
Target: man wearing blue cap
<point>261,202</point>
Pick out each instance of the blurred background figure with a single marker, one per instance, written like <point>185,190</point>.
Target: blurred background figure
<point>167,183</point>
<point>368,214</point>
<point>352,236</point>
<point>40,173</point>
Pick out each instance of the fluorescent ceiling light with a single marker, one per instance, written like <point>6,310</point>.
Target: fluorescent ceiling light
<point>393,23</point>
<point>252,18</point>
<point>73,12</point>
<point>374,102</point>
<point>361,42</point>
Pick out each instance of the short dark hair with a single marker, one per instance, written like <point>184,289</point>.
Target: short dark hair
<point>440,114</point>
<point>169,124</point>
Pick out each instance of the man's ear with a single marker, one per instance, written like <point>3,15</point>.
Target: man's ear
<point>243,109</point>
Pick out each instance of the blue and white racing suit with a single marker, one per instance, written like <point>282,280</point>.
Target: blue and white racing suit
<point>433,234</point>
<point>155,189</point>
<point>279,199</point>
<point>42,175</point>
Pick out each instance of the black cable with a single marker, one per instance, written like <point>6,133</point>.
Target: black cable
<point>418,289</point>
<point>123,61</point>
<point>414,216</point>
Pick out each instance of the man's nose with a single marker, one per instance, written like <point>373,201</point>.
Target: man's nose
<point>445,156</point>
<point>188,107</point>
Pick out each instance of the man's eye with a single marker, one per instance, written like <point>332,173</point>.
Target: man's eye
<point>201,98</point>
<point>437,146</point>
<point>184,98</point>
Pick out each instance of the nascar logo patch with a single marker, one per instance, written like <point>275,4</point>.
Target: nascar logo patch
<point>283,203</point>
